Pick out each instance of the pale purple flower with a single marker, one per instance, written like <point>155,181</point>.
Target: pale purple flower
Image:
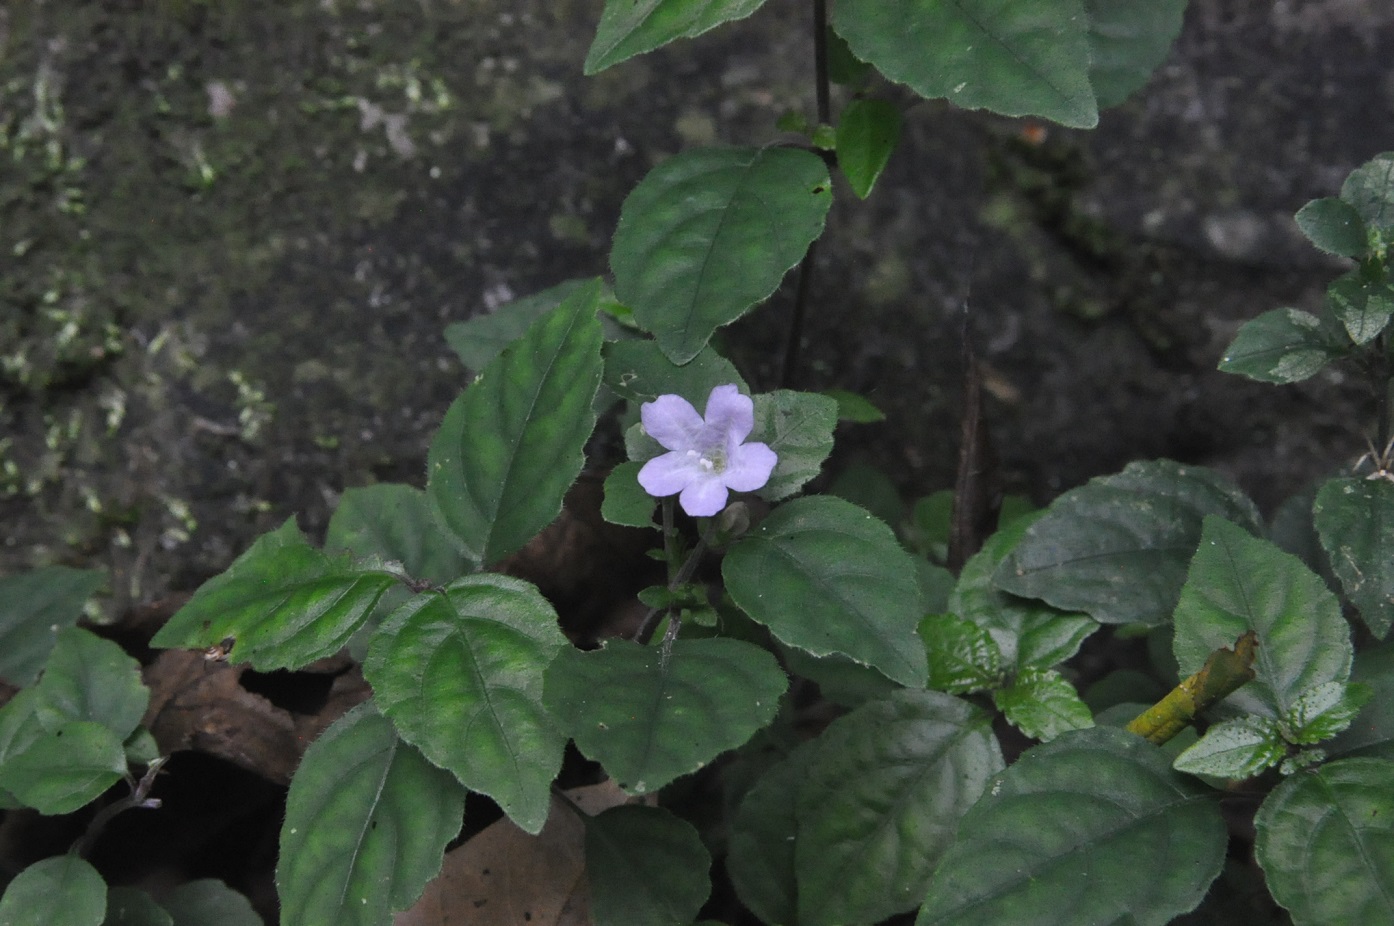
<point>706,456</point>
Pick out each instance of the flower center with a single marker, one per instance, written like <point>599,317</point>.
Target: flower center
<point>711,459</point>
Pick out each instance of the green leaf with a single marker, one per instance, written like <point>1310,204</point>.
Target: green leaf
<point>855,408</point>
<point>840,679</point>
<point>1128,39</point>
<point>844,67</point>
<point>1372,735</point>
<point>825,576</point>
<point>283,602</point>
<point>1355,520</point>
<point>513,443</point>
<point>632,27</point>
<point>1370,189</point>
<point>1237,749</point>
<point>868,487</point>
<point>711,232</point>
<point>129,906</point>
<point>1326,843</point>
<point>763,839</point>
<point>65,768</point>
<point>640,372</point>
<point>798,426</point>
<point>1324,710</point>
<point>1334,226</point>
<point>1117,548</point>
<point>867,133</point>
<point>648,716</point>
<point>209,902</point>
<point>962,655</point>
<point>59,891</point>
<point>480,339</point>
<point>1282,346</point>
<point>367,822</point>
<point>33,607</point>
<point>884,790</point>
<point>1239,583</point>
<point>626,503</point>
<point>1363,305</point>
<point>1016,59</point>
<point>1043,705</point>
<point>19,723</point>
<point>460,673</point>
<point>393,523</point>
<point>1089,827</point>
<point>645,866</point>
<point>88,678</point>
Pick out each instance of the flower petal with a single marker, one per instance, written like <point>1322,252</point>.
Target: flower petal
<point>672,421</point>
<point>703,497</point>
<point>749,467</point>
<point>730,413</point>
<point>670,473</point>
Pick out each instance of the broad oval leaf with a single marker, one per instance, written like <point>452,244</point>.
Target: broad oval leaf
<point>209,902</point>
<point>1363,305</point>
<point>59,891</point>
<point>645,865</point>
<point>1355,520</point>
<point>88,678</point>
<point>1326,843</point>
<point>1334,226</point>
<point>764,834</point>
<point>867,133</point>
<point>1239,583</point>
<point>1042,704</point>
<point>33,607</point>
<point>283,602</point>
<point>884,790</point>
<point>825,576</point>
<point>1370,189</point>
<point>367,822</point>
<point>460,673</point>
<point>129,906</point>
<point>394,523</point>
<point>1128,39</point>
<point>1009,57</point>
<point>638,370</point>
<point>65,768</point>
<point>648,716</point>
<point>481,338</point>
<point>1237,749</point>
<point>711,232</point>
<point>513,443</point>
<point>1283,346</point>
<point>798,426</point>
<point>1089,827</point>
<point>632,27</point>
<point>1117,548</point>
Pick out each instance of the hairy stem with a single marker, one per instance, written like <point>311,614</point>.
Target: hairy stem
<point>651,620</point>
<point>139,797</point>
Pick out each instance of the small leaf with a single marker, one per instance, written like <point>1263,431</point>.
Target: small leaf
<point>1088,827</point>
<point>367,822</point>
<point>88,678</point>
<point>626,503</point>
<point>480,339</point>
<point>1239,583</point>
<point>284,603</point>
<point>1370,189</point>
<point>711,232</point>
<point>1128,39</point>
<point>209,902</point>
<point>1043,705</point>
<point>648,717</point>
<point>827,577</point>
<point>1334,226</point>
<point>1011,58</point>
<point>1363,305</point>
<point>1282,346</point>
<point>1326,843</point>
<point>1118,547</point>
<point>64,769</point>
<point>1237,749</point>
<point>394,523</point>
<point>460,673</point>
<point>34,606</point>
<point>129,906</point>
<point>645,865</point>
<point>1355,520</point>
<point>513,443</point>
<point>867,133</point>
<point>1373,733</point>
<point>798,426</point>
<point>1324,710</point>
<point>962,656</point>
<point>59,891</point>
<point>854,408</point>
<point>632,27</point>
<point>640,372</point>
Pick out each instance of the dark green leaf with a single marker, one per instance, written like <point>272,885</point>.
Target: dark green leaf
<point>513,443</point>
<point>1128,39</point>
<point>1370,189</point>
<point>367,821</point>
<point>393,523</point>
<point>59,891</point>
<point>64,768</point>
<point>460,673</point>
<point>1118,547</point>
<point>480,339</point>
<point>129,906</point>
<point>1282,346</point>
<point>711,232</point>
<point>1012,58</point>
<point>1326,843</point>
<point>1355,520</point>
<point>1042,704</point>
<point>839,678</point>
<point>1236,749</point>
<point>868,487</point>
<point>33,607</point>
<point>798,426</point>
<point>1363,305</point>
<point>648,717</point>
<point>764,834</point>
<point>962,656</point>
<point>867,133</point>
<point>1334,226</point>
<point>640,372</point>
<point>1089,827</point>
<point>19,723</point>
<point>626,503</point>
<point>1239,583</point>
<point>209,902</point>
<point>88,678</point>
<point>844,67</point>
<point>632,27</point>
<point>1372,733</point>
<point>645,866</point>
<point>284,603</point>
<point>827,577</point>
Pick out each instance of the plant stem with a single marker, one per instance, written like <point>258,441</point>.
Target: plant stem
<point>820,60</point>
<point>139,797</point>
<point>651,620</point>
